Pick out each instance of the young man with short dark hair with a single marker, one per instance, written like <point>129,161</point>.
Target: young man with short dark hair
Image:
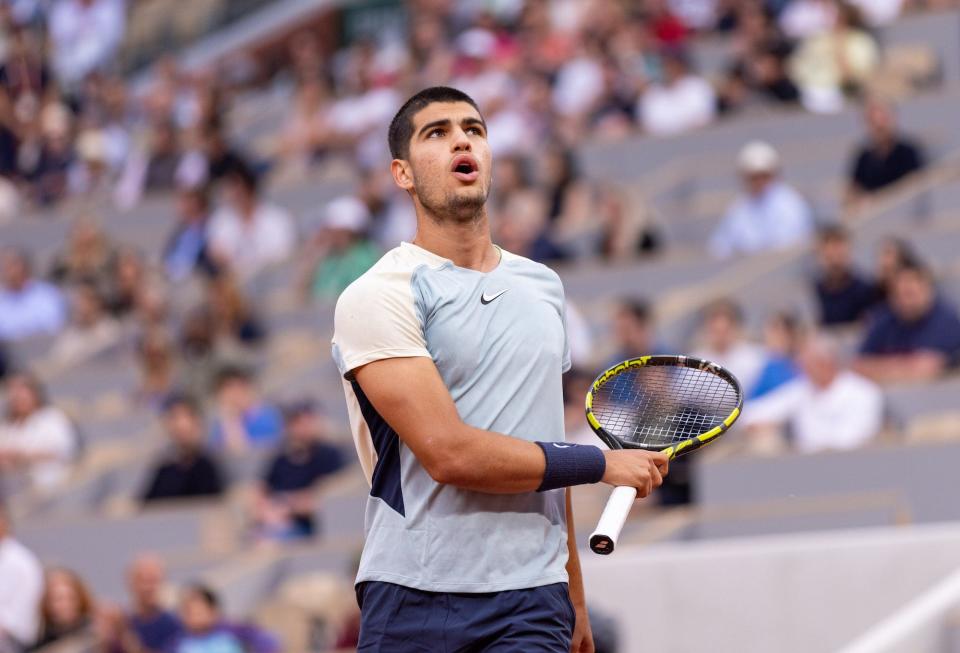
<point>452,351</point>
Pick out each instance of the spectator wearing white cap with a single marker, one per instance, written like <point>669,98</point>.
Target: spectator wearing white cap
<point>341,250</point>
<point>769,214</point>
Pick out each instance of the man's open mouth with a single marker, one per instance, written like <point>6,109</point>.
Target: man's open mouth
<point>465,168</point>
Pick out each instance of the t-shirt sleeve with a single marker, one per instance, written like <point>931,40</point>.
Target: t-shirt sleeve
<point>376,318</point>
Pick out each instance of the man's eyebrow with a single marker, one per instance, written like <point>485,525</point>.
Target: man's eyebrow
<point>445,122</point>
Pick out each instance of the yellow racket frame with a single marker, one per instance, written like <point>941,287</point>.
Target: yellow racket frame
<point>684,446</point>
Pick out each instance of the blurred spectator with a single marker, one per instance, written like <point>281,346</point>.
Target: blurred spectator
<point>305,129</point>
<point>67,607</point>
<point>206,631</point>
<point>84,36</point>
<point>829,65</point>
<point>248,234</point>
<point>234,320</point>
<point>28,306</point>
<point>681,102</point>
<point>4,362</point>
<point>879,12</point>
<point>202,355</point>
<point>893,254</point>
<point>90,177</point>
<point>843,294</point>
<point>157,366</point>
<point>723,343</point>
<point>769,215</point>
<point>781,336</point>
<point>187,249</point>
<point>243,419</point>
<point>154,627</point>
<point>758,70</point>
<point>21,588</point>
<point>285,502</point>
<point>806,18</point>
<point>152,167</point>
<point>915,336</point>
<point>87,256</point>
<point>633,331</point>
<point>36,438</point>
<point>665,25</point>
<point>886,157</point>
<point>211,156</point>
<point>341,251</point>
<point>185,470</point>
<point>128,282</point>
<point>24,73</point>
<point>828,407</point>
<point>47,161</point>
<point>521,227</point>
<point>571,213</point>
<point>90,331</point>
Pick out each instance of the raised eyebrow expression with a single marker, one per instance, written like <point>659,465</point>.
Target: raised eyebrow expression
<point>445,123</point>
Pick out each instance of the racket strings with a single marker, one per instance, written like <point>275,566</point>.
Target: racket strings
<point>659,406</point>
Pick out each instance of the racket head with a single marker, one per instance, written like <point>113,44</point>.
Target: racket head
<point>672,404</point>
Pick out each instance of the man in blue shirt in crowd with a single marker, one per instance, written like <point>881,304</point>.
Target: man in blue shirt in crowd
<point>154,627</point>
<point>916,336</point>
<point>28,307</point>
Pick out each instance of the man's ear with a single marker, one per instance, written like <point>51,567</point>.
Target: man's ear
<point>402,174</point>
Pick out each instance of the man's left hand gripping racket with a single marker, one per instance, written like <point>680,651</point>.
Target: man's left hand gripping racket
<point>671,404</point>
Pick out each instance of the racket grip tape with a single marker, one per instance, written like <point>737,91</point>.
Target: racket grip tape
<point>604,538</point>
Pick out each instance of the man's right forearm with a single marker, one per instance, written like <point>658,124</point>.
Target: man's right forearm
<point>484,461</point>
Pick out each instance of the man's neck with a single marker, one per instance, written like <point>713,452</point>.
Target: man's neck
<point>465,243</point>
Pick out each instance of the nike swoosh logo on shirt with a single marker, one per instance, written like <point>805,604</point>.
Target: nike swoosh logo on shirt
<point>486,299</point>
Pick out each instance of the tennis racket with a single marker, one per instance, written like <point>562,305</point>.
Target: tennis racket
<point>671,404</point>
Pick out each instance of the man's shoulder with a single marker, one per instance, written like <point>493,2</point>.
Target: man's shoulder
<point>393,271</point>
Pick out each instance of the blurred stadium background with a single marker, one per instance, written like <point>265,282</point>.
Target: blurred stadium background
<point>187,185</point>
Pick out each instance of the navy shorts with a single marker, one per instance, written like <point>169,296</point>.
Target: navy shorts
<point>397,619</point>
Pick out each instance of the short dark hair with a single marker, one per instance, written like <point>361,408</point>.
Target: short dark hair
<point>181,400</point>
<point>638,309</point>
<point>232,372</point>
<point>205,593</point>
<point>244,174</point>
<point>401,127</point>
<point>833,232</point>
<point>916,267</point>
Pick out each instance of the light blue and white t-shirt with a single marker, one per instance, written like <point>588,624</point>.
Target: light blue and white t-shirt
<point>499,342</point>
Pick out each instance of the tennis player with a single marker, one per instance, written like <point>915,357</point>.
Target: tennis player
<point>451,351</point>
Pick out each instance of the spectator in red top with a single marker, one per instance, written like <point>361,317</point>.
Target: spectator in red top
<point>664,24</point>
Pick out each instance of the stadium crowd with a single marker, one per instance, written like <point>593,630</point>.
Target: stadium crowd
<point>76,137</point>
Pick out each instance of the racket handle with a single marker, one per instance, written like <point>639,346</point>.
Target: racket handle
<point>614,516</point>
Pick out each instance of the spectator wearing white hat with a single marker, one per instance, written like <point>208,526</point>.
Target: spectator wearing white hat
<point>768,215</point>
<point>341,250</point>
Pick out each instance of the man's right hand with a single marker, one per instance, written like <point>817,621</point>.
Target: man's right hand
<point>637,468</point>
